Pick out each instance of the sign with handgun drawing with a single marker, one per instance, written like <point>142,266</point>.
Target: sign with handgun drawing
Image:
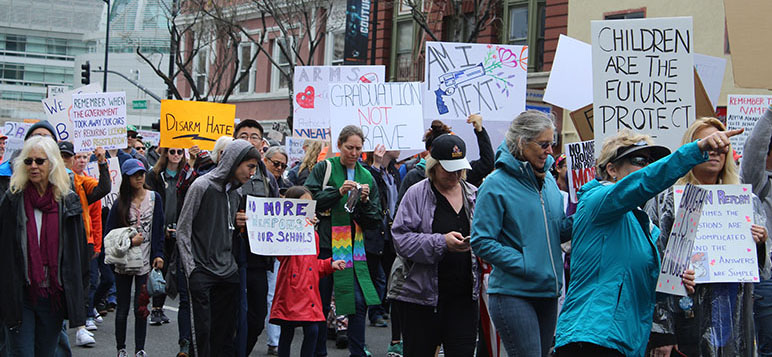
<point>466,78</point>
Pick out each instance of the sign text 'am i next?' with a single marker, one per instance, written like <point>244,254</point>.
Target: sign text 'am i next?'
<point>185,124</point>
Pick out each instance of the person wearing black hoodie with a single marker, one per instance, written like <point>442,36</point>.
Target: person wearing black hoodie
<point>204,239</point>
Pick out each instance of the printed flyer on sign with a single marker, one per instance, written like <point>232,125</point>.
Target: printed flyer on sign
<point>99,119</point>
<point>580,166</point>
<point>675,259</point>
<point>724,250</point>
<point>281,227</point>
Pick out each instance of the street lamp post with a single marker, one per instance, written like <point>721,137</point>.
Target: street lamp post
<point>107,45</point>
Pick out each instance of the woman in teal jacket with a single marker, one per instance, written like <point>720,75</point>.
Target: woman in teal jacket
<point>518,227</point>
<point>614,259</point>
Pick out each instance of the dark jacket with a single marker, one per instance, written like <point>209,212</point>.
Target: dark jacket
<point>376,238</point>
<point>73,258</point>
<point>262,184</point>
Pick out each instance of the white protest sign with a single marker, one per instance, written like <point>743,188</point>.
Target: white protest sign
<point>466,78</point>
<point>99,119</point>
<point>711,71</point>
<point>724,250</point>
<point>281,227</point>
<point>580,165</point>
<point>92,170</point>
<point>15,131</point>
<point>294,148</point>
<point>643,78</point>
<point>570,82</point>
<point>53,91</point>
<point>742,111</point>
<point>152,137</point>
<point>58,110</point>
<point>388,113</point>
<point>311,117</point>
<point>680,244</point>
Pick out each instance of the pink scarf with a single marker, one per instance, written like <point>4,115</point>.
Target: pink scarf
<point>45,254</point>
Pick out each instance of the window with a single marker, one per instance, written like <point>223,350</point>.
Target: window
<point>56,46</point>
<point>278,79</point>
<point>200,65</point>
<point>11,71</point>
<point>334,53</point>
<point>246,68</point>
<point>626,14</point>
<point>525,27</point>
<point>405,36</point>
<point>15,43</point>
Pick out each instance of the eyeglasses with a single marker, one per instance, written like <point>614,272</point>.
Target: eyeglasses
<point>39,161</point>
<point>132,135</point>
<point>278,164</point>
<point>176,151</point>
<point>640,161</point>
<point>544,145</point>
<point>245,136</point>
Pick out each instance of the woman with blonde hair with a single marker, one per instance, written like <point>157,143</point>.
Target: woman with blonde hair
<point>43,253</point>
<point>614,264</point>
<point>299,173</point>
<point>696,327</point>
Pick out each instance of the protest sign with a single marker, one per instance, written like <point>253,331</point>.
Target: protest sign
<point>748,28</point>
<point>53,91</point>
<point>152,137</point>
<point>583,121</point>
<point>703,106</point>
<point>185,123</point>
<point>387,113</point>
<point>580,165</point>
<point>570,82</point>
<point>680,244</point>
<point>294,148</point>
<point>58,109</point>
<point>92,170</point>
<point>311,117</point>
<point>742,111</point>
<point>282,227</point>
<point>99,119</point>
<point>465,78</point>
<point>711,71</point>
<point>724,250</point>
<point>15,131</point>
<point>643,78</point>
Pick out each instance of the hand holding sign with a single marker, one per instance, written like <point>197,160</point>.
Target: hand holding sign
<point>688,278</point>
<point>759,233</point>
<point>718,141</point>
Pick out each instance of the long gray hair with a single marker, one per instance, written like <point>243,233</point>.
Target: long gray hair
<point>526,127</point>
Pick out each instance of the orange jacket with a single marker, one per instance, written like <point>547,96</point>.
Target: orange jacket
<point>93,221</point>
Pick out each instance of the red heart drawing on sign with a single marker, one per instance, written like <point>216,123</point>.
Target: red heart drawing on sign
<point>749,250</point>
<point>305,99</point>
<point>747,218</point>
<point>745,189</point>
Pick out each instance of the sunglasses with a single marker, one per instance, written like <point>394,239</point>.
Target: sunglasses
<point>640,161</point>
<point>39,161</point>
<point>139,148</point>
<point>544,145</point>
<point>279,164</point>
<point>132,135</point>
<point>176,151</point>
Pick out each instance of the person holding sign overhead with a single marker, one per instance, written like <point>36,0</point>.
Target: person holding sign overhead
<point>614,259</point>
<point>693,326</point>
<point>348,203</point>
<point>521,237</point>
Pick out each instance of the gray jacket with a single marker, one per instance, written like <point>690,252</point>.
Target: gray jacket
<point>753,167</point>
<point>415,277</point>
<point>205,231</point>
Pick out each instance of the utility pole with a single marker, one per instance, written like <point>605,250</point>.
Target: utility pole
<point>172,49</point>
<point>107,45</point>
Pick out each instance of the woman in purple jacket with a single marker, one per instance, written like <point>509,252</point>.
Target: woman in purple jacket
<point>437,296</point>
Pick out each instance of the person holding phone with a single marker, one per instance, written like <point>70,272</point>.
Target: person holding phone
<point>438,296</point>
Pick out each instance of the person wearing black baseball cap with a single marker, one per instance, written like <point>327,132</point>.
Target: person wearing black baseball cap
<point>437,299</point>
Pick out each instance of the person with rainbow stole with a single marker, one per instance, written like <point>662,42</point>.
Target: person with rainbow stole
<point>347,203</point>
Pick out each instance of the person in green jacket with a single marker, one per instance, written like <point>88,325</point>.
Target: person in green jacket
<point>614,259</point>
<point>334,183</point>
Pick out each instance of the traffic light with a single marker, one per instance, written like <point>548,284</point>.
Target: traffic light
<point>85,74</point>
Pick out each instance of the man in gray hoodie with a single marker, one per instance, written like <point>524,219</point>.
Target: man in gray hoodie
<point>204,239</point>
<point>756,169</point>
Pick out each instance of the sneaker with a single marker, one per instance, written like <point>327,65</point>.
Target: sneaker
<point>164,319</point>
<point>111,306</point>
<point>122,353</point>
<point>90,325</point>
<point>395,350</point>
<point>155,318</point>
<point>341,341</point>
<point>367,351</point>
<point>98,319</point>
<point>141,353</point>
<point>272,350</point>
<point>379,322</point>
<point>101,309</point>
<point>83,339</point>
<point>184,348</point>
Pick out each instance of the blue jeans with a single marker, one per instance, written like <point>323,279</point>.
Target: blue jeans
<point>272,331</point>
<point>63,345</point>
<point>356,324</point>
<point>526,325</point>
<point>183,315</point>
<point>762,316</point>
<point>123,288</point>
<point>310,331</point>
<point>39,331</point>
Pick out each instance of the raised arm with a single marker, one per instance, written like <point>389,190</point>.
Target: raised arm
<point>753,167</point>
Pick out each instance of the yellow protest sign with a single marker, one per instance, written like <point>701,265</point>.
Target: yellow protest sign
<point>185,123</point>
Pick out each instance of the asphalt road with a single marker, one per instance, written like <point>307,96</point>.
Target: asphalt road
<point>162,340</point>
